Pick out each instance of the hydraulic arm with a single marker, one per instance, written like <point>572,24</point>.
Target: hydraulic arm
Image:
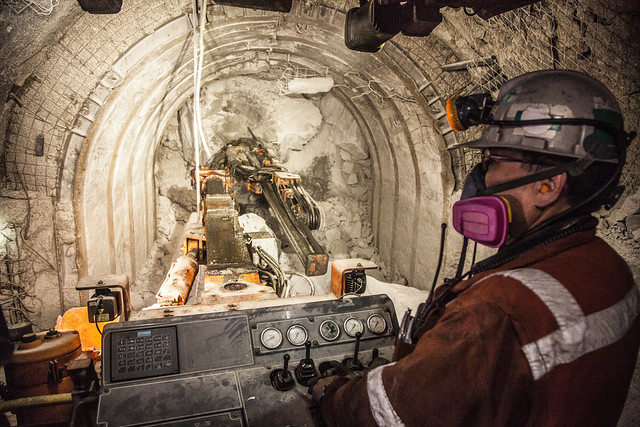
<point>248,161</point>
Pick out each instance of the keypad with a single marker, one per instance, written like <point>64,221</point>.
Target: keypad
<point>143,353</point>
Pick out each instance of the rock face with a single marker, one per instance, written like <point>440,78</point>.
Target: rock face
<point>28,271</point>
<point>314,136</point>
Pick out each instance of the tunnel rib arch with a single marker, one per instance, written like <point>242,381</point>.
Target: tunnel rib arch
<point>114,207</point>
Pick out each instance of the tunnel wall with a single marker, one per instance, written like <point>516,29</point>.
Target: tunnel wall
<point>115,199</point>
<point>72,83</point>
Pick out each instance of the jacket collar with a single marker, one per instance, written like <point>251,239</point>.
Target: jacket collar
<point>533,256</point>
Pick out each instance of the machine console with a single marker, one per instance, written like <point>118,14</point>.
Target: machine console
<point>238,368</point>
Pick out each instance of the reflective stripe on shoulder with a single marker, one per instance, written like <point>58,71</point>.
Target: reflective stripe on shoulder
<point>577,334</point>
<point>381,408</point>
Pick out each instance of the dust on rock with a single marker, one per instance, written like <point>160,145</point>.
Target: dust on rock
<point>315,137</point>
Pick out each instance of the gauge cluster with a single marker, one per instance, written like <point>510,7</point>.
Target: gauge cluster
<point>321,330</point>
<point>240,368</point>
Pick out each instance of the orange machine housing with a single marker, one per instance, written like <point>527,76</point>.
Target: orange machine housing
<point>38,368</point>
<point>339,269</point>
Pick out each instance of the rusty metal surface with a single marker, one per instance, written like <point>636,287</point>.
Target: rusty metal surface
<point>237,292</point>
<point>45,346</point>
<point>215,278</point>
<point>185,310</point>
<point>226,246</point>
<point>177,284</point>
<point>342,266</point>
<point>195,243</point>
<point>39,368</point>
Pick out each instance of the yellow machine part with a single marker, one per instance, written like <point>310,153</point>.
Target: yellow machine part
<point>77,319</point>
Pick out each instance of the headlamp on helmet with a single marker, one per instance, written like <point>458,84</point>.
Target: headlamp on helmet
<point>466,111</point>
<point>554,112</point>
<point>558,113</point>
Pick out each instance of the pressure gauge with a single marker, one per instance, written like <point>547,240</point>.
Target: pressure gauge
<point>376,324</point>
<point>297,335</point>
<point>271,338</point>
<point>329,330</point>
<point>352,326</point>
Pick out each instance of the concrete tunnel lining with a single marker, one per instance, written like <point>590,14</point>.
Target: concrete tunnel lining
<point>129,227</point>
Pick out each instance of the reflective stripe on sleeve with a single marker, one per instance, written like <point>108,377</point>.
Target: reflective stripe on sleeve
<point>577,334</point>
<point>381,408</point>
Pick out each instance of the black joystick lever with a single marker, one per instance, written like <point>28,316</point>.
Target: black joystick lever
<point>306,369</point>
<point>353,363</point>
<point>377,360</point>
<point>281,379</point>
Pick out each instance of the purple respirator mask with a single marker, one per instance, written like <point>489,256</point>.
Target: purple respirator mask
<point>483,219</point>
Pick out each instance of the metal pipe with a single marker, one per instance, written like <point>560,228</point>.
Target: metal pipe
<point>36,401</point>
<point>465,65</point>
<point>176,286</point>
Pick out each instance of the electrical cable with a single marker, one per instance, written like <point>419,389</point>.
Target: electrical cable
<point>98,310</point>
<point>312,287</point>
<point>281,285</point>
<point>475,251</point>
<point>533,240</point>
<point>439,265</point>
<point>74,420</point>
<point>463,257</point>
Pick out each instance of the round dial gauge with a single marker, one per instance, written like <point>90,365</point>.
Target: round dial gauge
<point>329,330</point>
<point>352,326</point>
<point>376,324</point>
<point>271,338</point>
<point>297,335</point>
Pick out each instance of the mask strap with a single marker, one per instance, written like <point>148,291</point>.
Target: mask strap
<point>573,168</point>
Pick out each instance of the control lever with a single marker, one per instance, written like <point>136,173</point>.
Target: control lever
<point>306,369</point>
<point>353,363</point>
<point>281,379</point>
<point>377,360</point>
<point>332,367</point>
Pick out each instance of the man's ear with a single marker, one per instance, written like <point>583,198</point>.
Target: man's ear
<point>549,190</point>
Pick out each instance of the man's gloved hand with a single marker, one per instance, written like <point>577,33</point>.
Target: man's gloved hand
<point>317,390</point>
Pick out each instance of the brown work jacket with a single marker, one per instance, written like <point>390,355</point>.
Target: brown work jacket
<point>549,339</point>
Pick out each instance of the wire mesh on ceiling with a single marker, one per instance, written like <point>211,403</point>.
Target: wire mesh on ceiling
<point>292,72</point>
<point>589,36</point>
<point>592,37</point>
<point>41,7</point>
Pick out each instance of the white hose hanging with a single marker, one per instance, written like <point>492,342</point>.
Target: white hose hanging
<point>196,101</point>
<point>198,59</point>
<point>197,110</point>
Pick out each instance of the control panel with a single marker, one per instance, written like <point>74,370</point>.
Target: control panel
<point>238,368</point>
<point>146,353</point>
